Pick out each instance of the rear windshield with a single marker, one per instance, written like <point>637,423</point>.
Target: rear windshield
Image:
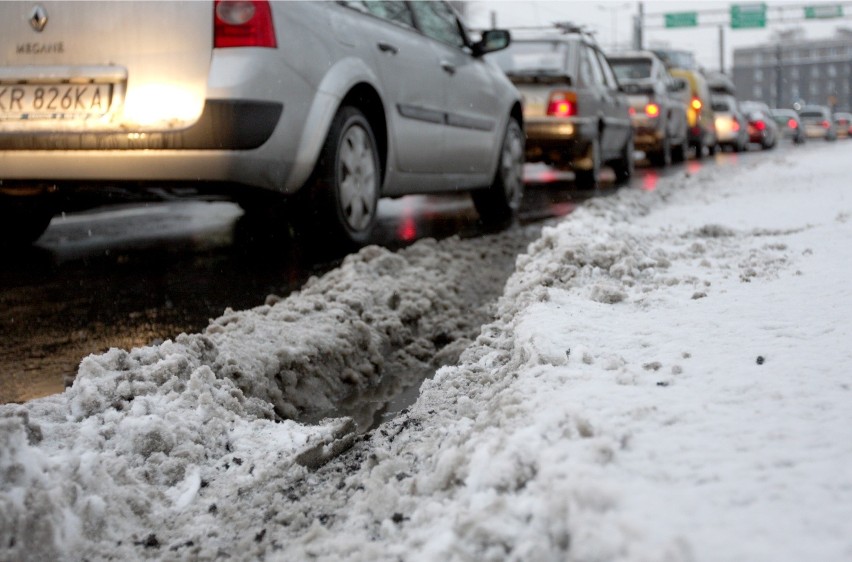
<point>631,69</point>
<point>818,114</point>
<point>721,105</point>
<point>532,57</point>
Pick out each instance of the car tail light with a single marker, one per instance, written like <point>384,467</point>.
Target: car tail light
<point>760,125</point>
<point>243,23</point>
<point>792,124</point>
<point>562,104</point>
<point>826,124</point>
<point>631,111</point>
<point>735,126</point>
<point>696,104</point>
<point>652,110</point>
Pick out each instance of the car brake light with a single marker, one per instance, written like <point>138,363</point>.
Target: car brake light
<point>562,104</point>
<point>696,104</point>
<point>243,23</point>
<point>760,125</point>
<point>735,126</point>
<point>652,110</point>
<point>792,124</point>
<point>826,124</point>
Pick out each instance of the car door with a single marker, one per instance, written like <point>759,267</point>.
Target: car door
<point>611,106</point>
<point>472,111</point>
<point>411,82</point>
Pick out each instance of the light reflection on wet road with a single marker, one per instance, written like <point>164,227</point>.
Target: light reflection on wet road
<point>135,275</point>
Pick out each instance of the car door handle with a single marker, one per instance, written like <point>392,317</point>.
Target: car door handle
<point>387,48</point>
<point>448,67</point>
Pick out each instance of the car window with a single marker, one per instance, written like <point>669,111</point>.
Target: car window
<point>720,105</point>
<point>438,21</point>
<point>396,11</point>
<point>609,77</point>
<point>590,70</point>
<point>631,69</point>
<point>532,57</point>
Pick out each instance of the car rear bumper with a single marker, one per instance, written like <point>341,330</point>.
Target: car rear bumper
<point>648,138</point>
<point>559,142</point>
<point>223,125</point>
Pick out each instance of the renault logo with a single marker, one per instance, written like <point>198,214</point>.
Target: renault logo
<point>38,17</point>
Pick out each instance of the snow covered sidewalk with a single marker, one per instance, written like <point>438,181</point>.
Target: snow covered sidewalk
<point>667,377</point>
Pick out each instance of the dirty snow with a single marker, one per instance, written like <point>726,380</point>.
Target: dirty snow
<point>666,377</point>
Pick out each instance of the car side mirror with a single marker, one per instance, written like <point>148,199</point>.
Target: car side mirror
<point>492,40</point>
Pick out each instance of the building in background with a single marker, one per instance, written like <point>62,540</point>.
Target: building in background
<point>791,71</point>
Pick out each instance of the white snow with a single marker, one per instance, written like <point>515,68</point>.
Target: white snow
<point>666,377</point>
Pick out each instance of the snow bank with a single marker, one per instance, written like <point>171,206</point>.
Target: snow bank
<point>665,378</point>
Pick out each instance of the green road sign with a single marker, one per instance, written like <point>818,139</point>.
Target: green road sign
<point>823,11</point>
<point>748,15</point>
<point>682,19</point>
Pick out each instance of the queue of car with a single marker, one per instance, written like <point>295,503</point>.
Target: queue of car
<point>242,112</point>
<point>220,96</point>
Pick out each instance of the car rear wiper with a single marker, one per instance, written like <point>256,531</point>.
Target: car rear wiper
<point>539,76</point>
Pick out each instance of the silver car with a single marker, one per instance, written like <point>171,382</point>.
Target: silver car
<point>334,104</point>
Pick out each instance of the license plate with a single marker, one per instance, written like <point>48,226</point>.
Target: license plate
<point>54,101</point>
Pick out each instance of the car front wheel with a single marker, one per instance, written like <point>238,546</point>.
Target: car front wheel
<point>499,203</point>
<point>624,166</point>
<point>588,179</point>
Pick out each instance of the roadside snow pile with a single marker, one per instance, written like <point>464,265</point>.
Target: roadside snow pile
<point>665,378</point>
<point>141,432</point>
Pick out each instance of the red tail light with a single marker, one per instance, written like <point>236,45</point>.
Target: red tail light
<point>652,110</point>
<point>792,124</point>
<point>760,125</point>
<point>735,126</point>
<point>696,104</point>
<point>562,104</point>
<point>631,111</point>
<point>243,23</point>
<point>826,124</point>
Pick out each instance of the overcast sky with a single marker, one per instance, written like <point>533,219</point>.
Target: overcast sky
<point>612,20</point>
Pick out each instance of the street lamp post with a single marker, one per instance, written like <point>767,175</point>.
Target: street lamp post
<point>613,10</point>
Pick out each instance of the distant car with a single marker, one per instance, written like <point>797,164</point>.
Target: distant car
<point>818,122</point>
<point>334,104</point>
<point>762,128</point>
<point>731,124</point>
<point>699,111</point>
<point>656,106</point>
<point>575,115</point>
<point>789,125</point>
<point>843,124</point>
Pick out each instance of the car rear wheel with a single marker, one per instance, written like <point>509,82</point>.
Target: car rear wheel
<point>22,220</point>
<point>339,204</point>
<point>498,204</point>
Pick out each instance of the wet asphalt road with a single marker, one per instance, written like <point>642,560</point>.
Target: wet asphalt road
<point>135,275</point>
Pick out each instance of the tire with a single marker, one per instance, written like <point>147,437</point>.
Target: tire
<point>589,179</point>
<point>662,158</point>
<point>624,166</point>
<point>340,201</point>
<point>699,150</point>
<point>22,220</point>
<point>498,204</point>
<point>680,152</point>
